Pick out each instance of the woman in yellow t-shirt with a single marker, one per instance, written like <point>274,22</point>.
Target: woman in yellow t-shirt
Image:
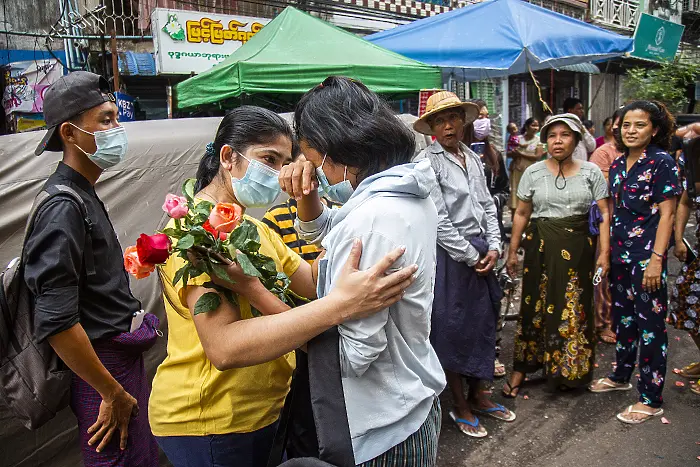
<point>218,394</point>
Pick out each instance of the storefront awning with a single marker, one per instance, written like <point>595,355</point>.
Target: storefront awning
<point>589,68</point>
<point>524,37</point>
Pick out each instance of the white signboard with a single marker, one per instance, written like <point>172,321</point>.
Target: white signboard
<point>192,42</point>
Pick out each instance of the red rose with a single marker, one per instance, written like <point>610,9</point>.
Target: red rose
<point>207,226</point>
<point>153,249</point>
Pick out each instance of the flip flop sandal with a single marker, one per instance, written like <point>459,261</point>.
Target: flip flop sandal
<point>610,386</point>
<point>482,433</point>
<point>498,412</point>
<point>695,388</point>
<point>499,369</point>
<point>630,410</point>
<point>509,394</point>
<point>607,336</point>
<point>684,372</point>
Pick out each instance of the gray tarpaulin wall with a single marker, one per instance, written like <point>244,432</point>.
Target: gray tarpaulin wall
<point>162,154</point>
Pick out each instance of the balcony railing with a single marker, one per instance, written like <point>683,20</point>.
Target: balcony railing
<point>620,14</point>
<point>691,7</point>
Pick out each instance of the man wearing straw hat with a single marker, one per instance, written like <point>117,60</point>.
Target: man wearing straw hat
<point>467,295</point>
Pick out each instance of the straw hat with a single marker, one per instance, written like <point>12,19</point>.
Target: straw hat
<point>440,101</point>
<point>570,119</point>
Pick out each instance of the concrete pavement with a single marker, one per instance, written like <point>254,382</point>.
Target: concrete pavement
<point>579,427</point>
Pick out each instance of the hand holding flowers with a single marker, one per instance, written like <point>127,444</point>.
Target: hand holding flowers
<point>209,238</point>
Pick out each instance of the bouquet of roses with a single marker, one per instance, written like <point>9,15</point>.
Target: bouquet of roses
<point>218,236</point>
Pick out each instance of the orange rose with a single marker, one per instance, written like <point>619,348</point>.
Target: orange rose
<point>225,217</point>
<point>133,264</point>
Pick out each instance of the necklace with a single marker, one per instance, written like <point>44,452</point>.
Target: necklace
<point>204,193</point>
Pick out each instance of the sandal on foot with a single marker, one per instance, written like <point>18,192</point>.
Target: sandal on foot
<point>607,336</point>
<point>499,413</point>
<point>499,369</point>
<point>481,433</point>
<point>630,421</point>
<point>509,394</point>
<point>609,386</point>
<point>686,372</point>
<point>695,388</point>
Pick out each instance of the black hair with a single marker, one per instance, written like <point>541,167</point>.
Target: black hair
<point>343,119</point>
<point>479,103</point>
<point>661,119</point>
<point>241,128</point>
<point>608,120</point>
<point>528,122</point>
<point>616,115</point>
<point>588,124</point>
<point>570,103</point>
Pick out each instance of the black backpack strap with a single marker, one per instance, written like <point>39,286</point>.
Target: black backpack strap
<point>53,191</point>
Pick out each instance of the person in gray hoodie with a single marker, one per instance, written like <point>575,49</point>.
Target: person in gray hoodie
<point>375,381</point>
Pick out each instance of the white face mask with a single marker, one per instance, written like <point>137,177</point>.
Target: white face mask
<point>259,187</point>
<point>111,146</point>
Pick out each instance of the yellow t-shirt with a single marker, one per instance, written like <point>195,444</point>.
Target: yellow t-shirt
<point>190,397</point>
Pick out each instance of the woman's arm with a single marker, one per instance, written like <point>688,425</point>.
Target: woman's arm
<point>531,157</point>
<point>520,221</point>
<point>682,216</point>
<point>652,276</point>
<point>604,237</point>
<point>232,342</point>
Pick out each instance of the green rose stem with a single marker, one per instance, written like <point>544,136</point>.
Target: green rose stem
<point>206,251</point>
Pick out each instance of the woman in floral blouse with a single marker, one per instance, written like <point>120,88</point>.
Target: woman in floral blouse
<point>686,313</point>
<point>644,185</point>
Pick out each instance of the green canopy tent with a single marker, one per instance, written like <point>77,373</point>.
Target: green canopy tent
<point>294,53</point>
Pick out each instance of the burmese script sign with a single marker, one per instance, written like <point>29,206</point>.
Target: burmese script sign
<point>192,42</point>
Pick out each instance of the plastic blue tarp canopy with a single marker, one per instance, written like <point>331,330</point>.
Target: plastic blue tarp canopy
<point>501,37</point>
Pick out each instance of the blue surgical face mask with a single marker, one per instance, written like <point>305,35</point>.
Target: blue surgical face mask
<point>339,192</point>
<point>111,146</point>
<point>259,187</point>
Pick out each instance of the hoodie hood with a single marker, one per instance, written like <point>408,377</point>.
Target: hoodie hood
<point>413,180</point>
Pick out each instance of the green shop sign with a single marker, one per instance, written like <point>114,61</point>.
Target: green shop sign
<point>656,39</point>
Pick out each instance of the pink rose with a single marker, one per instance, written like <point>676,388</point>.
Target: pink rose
<point>175,206</point>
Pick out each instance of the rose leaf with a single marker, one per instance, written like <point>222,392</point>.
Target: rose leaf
<point>185,243</point>
<point>188,189</point>
<point>207,302</point>
<point>247,266</point>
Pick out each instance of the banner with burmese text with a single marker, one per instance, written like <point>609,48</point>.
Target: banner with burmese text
<point>188,42</point>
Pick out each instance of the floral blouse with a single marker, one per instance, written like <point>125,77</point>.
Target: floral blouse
<point>654,178</point>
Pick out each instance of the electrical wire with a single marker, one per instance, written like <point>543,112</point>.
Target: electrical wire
<point>330,7</point>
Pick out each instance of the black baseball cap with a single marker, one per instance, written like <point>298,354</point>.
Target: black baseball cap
<point>68,97</point>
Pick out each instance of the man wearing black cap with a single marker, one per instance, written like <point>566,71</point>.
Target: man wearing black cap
<point>74,268</point>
